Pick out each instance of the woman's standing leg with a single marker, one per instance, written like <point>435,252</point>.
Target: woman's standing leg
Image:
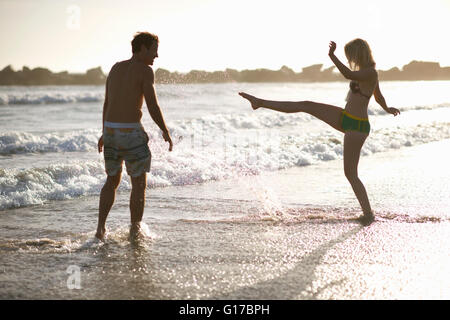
<point>353,142</point>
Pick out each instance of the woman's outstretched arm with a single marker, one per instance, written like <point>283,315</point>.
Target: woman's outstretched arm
<point>379,98</point>
<point>359,75</point>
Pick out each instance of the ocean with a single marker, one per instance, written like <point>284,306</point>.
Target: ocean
<point>248,205</point>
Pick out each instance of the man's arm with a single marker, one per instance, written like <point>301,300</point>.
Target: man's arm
<point>152,104</point>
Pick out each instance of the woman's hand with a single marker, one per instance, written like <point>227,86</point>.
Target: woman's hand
<point>332,48</point>
<point>393,111</point>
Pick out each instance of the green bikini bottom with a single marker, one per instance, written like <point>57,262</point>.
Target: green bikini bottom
<point>352,123</point>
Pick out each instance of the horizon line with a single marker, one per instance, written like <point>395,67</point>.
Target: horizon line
<point>182,72</point>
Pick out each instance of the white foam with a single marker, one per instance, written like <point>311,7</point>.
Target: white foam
<point>23,187</point>
<point>197,161</point>
<point>24,142</point>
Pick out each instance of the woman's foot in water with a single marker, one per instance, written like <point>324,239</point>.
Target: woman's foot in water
<point>255,102</point>
<point>366,219</point>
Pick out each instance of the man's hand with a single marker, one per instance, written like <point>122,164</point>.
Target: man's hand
<point>100,144</point>
<point>167,138</point>
<point>393,111</point>
<point>332,48</point>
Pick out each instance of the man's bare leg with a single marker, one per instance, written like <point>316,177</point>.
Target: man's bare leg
<point>107,197</point>
<point>137,201</point>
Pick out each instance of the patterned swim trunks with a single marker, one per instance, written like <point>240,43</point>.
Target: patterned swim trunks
<point>129,144</point>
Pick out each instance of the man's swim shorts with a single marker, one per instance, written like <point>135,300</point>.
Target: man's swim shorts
<point>129,142</point>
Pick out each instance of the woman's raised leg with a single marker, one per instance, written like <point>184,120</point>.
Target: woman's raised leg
<point>327,113</point>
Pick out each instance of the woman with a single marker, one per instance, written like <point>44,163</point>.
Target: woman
<point>353,120</point>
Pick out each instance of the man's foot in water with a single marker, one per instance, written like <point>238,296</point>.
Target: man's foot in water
<point>366,219</point>
<point>100,233</point>
<point>135,230</point>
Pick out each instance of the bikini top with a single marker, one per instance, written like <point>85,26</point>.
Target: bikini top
<point>354,86</point>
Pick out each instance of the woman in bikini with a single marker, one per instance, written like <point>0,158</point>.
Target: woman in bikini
<point>353,120</point>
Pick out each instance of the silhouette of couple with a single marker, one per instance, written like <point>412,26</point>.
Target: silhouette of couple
<point>124,138</point>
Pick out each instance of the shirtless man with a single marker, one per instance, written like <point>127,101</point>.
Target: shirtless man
<point>124,137</point>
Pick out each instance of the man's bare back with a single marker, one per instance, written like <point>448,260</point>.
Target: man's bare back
<point>125,91</point>
<point>125,94</point>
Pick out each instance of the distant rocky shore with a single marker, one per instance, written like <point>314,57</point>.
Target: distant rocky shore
<point>415,70</point>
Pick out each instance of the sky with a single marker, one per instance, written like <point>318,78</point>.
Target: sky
<point>76,35</point>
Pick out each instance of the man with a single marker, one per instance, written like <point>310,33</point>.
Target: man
<point>124,138</point>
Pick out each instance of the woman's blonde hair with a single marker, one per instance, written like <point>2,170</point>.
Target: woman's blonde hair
<point>358,54</point>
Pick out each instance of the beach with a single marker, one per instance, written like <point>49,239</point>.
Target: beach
<point>248,205</point>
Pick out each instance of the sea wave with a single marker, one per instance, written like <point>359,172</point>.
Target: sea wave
<point>207,128</point>
<point>210,129</point>
<point>23,142</point>
<point>27,98</point>
<point>196,161</point>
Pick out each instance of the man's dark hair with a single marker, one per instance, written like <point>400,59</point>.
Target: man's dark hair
<point>143,38</point>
